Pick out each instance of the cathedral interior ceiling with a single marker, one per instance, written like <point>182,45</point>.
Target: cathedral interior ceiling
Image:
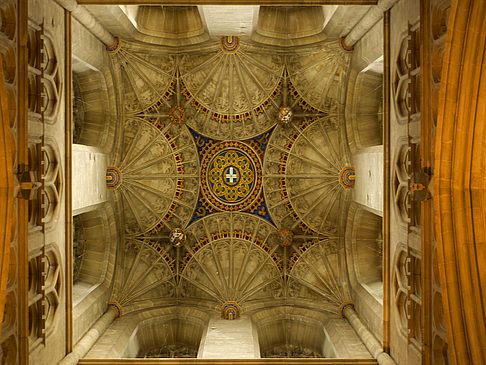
<point>230,176</point>
<point>180,26</point>
<point>206,148</point>
<point>232,171</point>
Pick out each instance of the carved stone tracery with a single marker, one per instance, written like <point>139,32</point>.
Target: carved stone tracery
<point>232,256</point>
<point>301,180</point>
<point>159,166</point>
<point>45,293</point>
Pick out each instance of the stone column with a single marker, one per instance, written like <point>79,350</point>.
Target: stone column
<point>366,23</point>
<point>90,338</point>
<point>82,15</point>
<point>370,341</point>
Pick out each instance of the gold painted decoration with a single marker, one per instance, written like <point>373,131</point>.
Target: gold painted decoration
<point>230,311</point>
<point>115,47</point>
<point>230,44</point>
<point>177,237</point>
<point>177,114</point>
<point>285,237</point>
<point>285,115</point>
<point>116,307</point>
<point>113,178</point>
<point>347,175</point>
<point>231,175</point>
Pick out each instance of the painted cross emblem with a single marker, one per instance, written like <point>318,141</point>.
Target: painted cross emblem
<point>231,175</point>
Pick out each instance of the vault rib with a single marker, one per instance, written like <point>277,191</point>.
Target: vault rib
<point>131,284</point>
<point>146,188</point>
<point>313,269</point>
<point>133,210</point>
<point>309,190</point>
<point>309,161</point>
<point>257,81</point>
<point>328,209</point>
<point>205,81</point>
<point>158,159</point>
<point>131,147</point>
<point>257,270</point>
<point>204,288</point>
<point>334,154</point>
<point>257,63</point>
<point>314,147</point>
<point>310,209</point>
<point>151,66</point>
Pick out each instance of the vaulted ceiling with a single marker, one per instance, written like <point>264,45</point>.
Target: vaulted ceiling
<point>231,168</point>
<point>190,115</point>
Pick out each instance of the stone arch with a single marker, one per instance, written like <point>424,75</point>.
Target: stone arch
<point>94,250</point>
<point>364,249</point>
<point>289,25</point>
<point>139,333</point>
<point>364,263</point>
<point>459,186</point>
<point>160,25</point>
<point>364,124</point>
<point>171,23</point>
<point>168,336</point>
<point>290,332</point>
<point>94,106</point>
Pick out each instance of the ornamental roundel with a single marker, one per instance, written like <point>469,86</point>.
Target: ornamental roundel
<point>347,176</point>
<point>285,115</point>
<point>230,311</point>
<point>177,114</point>
<point>285,237</point>
<point>113,177</point>
<point>177,237</point>
<point>230,44</point>
<point>231,175</point>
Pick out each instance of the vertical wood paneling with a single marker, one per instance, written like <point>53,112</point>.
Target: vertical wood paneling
<point>460,182</point>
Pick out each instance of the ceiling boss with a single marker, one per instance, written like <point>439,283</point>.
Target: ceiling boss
<point>231,175</point>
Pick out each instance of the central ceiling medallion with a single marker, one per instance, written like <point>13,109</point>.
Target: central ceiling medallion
<point>231,175</point>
